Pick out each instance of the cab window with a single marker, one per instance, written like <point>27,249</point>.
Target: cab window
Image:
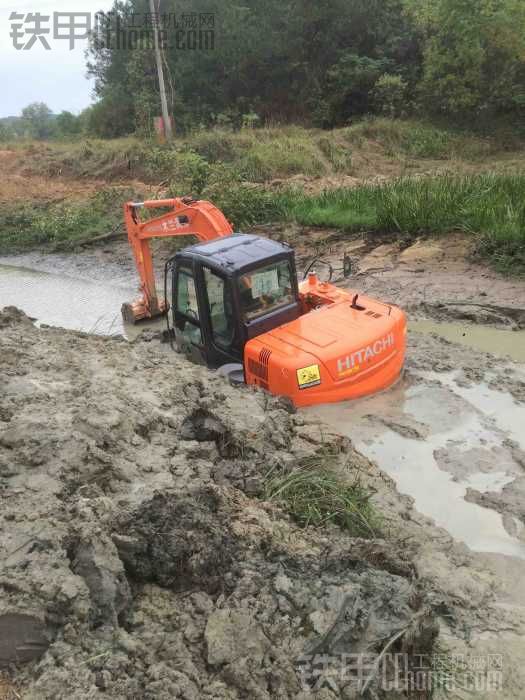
<point>187,308</point>
<point>187,294</point>
<point>266,289</point>
<point>221,310</point>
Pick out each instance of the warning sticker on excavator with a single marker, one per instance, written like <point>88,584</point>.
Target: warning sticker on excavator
<point>308,376</point>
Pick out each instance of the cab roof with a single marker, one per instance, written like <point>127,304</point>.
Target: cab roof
<point>236,252</point>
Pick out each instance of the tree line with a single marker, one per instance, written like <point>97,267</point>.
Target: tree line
<point>319,63</point>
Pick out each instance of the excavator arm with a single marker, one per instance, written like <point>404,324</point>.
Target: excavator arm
<point>186,217</point>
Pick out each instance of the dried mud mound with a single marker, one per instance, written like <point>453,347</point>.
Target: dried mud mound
<point>138,560</point>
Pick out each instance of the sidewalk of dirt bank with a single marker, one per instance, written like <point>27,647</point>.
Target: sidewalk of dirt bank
<point>135,545</point>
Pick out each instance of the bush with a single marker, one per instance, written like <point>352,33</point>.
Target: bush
<point>186,170</point>
<point>389,95</point>
<point>243,204</point>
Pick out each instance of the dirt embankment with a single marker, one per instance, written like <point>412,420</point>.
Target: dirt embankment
<point>139,560</point>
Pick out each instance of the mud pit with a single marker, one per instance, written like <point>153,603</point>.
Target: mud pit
<point>132,538</point>
<point>135,541</point>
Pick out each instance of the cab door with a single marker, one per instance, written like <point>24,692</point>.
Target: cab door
<point>186,313</point>
<point>222,328</point>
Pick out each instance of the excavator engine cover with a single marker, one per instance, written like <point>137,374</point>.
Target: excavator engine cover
<point>342,349</point>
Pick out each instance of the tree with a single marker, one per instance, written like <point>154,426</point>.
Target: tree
<point>474,54</point>
<point>111,116</point>
<point>67,124</point>
<point>38,120</point>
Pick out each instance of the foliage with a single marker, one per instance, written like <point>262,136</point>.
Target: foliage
<point>351,81</point>
<point>186,170</point>
<point>389,95</point>
<point>473,56</point>
<point>67,124</point>
<point>113,115</point>
<point>243,204</point>
<point>318,64</point>
<point>61,225</point>
<point>292,61</point>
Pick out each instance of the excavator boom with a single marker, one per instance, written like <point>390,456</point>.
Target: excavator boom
<point>185,217</point>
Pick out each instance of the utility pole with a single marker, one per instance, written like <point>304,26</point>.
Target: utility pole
<point>162,86</point>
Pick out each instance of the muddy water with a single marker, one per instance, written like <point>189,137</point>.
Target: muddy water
<point>485,338</point>
<point>436,439</point>
<point>74,302</point>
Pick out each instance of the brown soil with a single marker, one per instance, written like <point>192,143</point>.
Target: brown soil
<point>139,557</point>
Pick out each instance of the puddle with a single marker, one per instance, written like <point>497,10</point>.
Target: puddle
<point>485,338</point>
<point>436,439</point>
<point>69,302</point>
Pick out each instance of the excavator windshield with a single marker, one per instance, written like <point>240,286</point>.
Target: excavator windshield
<point>266,289</point>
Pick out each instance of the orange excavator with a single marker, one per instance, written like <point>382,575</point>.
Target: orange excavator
<point>236,305</point>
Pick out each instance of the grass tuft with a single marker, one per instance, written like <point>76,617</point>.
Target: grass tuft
<point>315,497</point>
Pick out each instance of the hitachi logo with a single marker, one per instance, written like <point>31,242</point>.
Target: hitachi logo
<point>352,362</point>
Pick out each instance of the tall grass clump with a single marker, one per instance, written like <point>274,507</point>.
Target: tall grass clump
<point>346,209</point>
<point>281,157</point>
<point>419,140</point>
<point>315,497</point>
<point>338,155</point>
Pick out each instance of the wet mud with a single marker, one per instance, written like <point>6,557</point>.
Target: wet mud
<point>138,557</point>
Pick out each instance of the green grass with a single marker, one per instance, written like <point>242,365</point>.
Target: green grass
<point>258,155</point>
<point>223,166</point>
<point>60,226</point>
<point>417,139</point>
<point>316,497</point>
<point>490,207</point>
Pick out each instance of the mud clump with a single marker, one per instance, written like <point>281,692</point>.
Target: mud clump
<point>179,542</point>
<point>137,551</point>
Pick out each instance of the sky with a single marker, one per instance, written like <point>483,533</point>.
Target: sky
<point>56,76</point>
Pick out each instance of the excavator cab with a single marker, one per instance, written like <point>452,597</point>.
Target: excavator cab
<point>228,291</point>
